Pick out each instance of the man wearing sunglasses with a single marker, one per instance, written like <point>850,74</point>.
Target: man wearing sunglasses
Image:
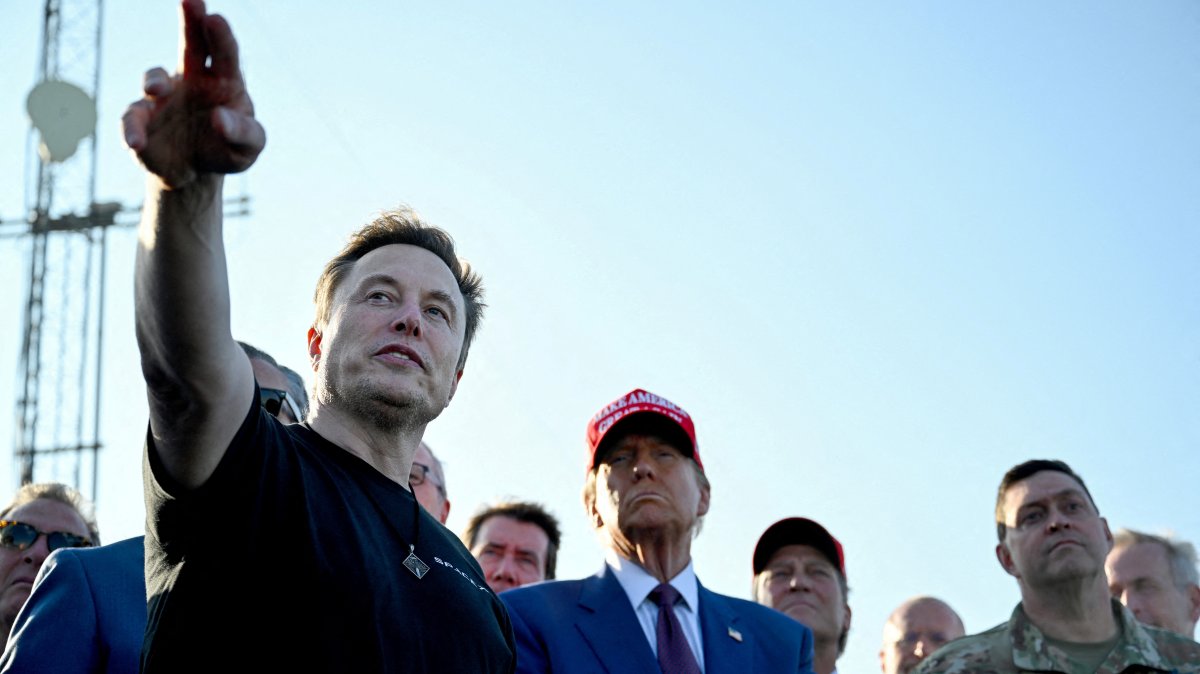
<point>87,611</point>
<point>41,518</point>
<point>281,390</point>
<point>301,547</point>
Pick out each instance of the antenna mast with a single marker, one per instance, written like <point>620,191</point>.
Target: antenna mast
<point>58,404</point>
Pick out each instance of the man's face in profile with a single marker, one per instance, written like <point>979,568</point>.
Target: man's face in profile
<point>428,484</point>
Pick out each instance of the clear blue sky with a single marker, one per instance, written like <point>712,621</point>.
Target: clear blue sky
<point>881,251</point>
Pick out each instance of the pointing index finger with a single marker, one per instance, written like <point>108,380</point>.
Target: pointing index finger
<point>193,43</point>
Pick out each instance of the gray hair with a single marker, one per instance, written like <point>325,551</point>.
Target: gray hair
<point>296,389</point>
<point>1181,555</point>
<point>437,469</point>
<point>254,353</point>
<point>56,491</point>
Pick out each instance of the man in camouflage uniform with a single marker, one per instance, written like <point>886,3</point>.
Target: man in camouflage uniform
<point>1054,542</point>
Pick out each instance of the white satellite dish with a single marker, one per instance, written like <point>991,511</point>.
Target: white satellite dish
<point>64,114</point>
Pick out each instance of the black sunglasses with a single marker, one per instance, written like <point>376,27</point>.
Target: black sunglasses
<point>19,536</point>
<point>273,400</point>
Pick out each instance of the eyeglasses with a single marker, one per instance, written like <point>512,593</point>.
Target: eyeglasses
<point>273,400</point>
<point>420,472</point>
<point>19,536</point>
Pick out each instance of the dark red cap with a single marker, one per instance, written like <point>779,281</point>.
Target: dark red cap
<point>645,412</point>
<point>797,531</point>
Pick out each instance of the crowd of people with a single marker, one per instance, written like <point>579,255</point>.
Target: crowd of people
<point>294,530</point>
<point>1132,609</point>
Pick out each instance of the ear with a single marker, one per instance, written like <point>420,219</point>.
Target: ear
<point>849,613</point>
<point>1107,535</point>
<point>454,385</point>
<point>1006,561</point>
<point>589,505</point>
<point>445,514</point>
<point>594,515</point>
<point>705,496</point>
<point>1193,595</point>
<point>314,346</point>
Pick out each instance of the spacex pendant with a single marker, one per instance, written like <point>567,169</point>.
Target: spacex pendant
<point>413,563</point>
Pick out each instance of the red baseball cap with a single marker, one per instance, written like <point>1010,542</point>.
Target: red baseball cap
<point>798,531</point>
<point>642,411</point>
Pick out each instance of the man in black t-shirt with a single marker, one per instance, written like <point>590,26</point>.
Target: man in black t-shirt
<point>293,548</point>
<point>86,613</point>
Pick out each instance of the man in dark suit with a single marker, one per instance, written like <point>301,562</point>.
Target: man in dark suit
<point>86,614</point>
<point>645,611</point>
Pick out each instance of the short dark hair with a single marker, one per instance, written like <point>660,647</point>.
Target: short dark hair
<point>521,511</point>
<point>402,226</point>
<point>1026,470</point>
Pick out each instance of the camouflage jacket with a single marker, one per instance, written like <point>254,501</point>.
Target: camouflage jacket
<point>1019,646</point>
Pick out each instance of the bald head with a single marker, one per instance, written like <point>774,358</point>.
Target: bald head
<point>916,629</point>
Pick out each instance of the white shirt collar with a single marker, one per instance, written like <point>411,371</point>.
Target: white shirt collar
<point>638,583</point>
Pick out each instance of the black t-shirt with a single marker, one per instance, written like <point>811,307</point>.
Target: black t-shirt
<point>290,558</point>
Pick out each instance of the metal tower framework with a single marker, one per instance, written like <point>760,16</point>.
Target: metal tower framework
<point>58,403</point>
<point>59,397</point>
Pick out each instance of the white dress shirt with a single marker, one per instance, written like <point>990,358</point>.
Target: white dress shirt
<point>638,584</point>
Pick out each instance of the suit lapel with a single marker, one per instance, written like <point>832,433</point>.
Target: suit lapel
<point>727,647</point>
<point>609,625</point>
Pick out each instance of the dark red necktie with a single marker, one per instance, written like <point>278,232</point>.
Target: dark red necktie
<point>674,654</point>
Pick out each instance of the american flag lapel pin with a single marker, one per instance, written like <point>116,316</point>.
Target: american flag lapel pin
<point>735,635</point>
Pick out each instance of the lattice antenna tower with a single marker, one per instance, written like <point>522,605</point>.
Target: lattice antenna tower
<point>59,397</point>
<point>58,401</point>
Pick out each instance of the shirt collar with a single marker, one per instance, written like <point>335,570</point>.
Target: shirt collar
<point>1135,645</point>
<point>638,583</point>
<point>1136,640</point>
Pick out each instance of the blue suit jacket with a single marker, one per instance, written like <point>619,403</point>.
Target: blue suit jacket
<point>587,626</point>
<point>86,613</point>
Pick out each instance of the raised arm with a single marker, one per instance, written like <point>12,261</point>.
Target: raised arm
<point>188,130</point>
